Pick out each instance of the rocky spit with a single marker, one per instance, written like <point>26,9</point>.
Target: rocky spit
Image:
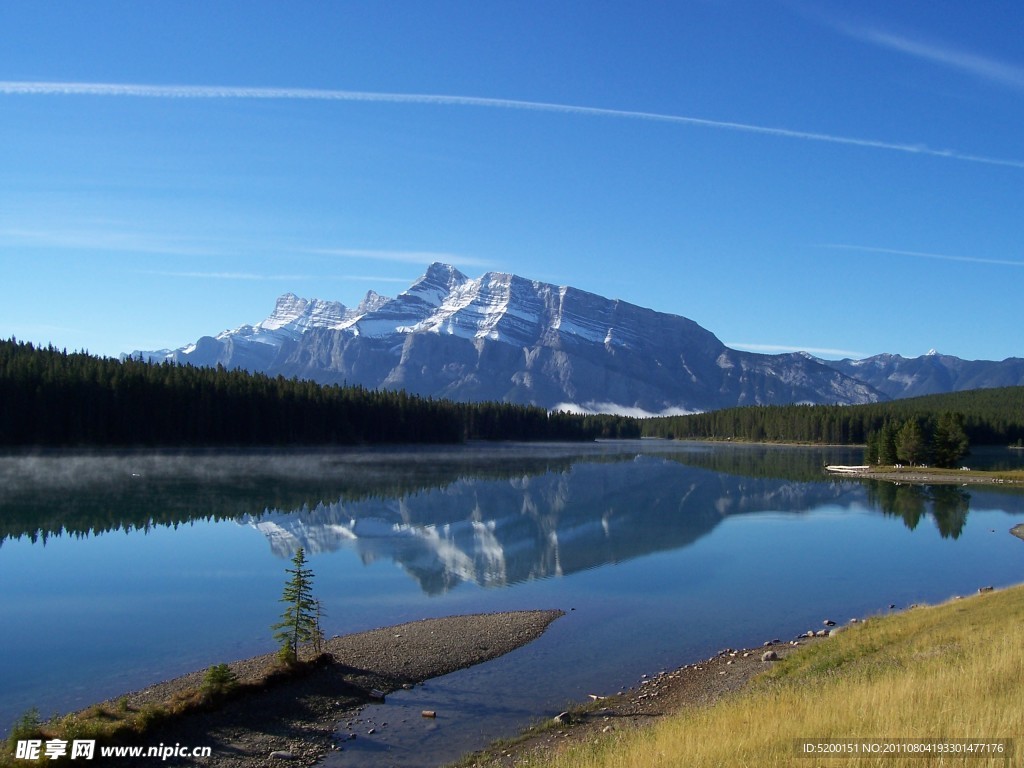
<point>293,723</point>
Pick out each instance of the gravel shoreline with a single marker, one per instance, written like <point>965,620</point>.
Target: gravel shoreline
<point>700,684</point>
<point>694,685</point>
<point>298,717</point>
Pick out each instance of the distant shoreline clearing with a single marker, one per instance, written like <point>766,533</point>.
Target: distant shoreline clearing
<point>928,475</point>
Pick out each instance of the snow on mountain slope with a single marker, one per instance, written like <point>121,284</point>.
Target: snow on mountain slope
<point>411,307</point>
<point>301,314</point>
<point>507,338</point>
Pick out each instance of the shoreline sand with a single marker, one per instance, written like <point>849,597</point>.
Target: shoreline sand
<point>701,683</point>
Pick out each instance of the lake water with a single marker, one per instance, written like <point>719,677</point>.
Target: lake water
<point>119,570</point>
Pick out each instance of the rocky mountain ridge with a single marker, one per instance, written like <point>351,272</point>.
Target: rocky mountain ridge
<point>506,338</point>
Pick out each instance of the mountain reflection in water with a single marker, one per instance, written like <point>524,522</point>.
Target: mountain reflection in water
<point>495,516</point>
<point>498,532</point>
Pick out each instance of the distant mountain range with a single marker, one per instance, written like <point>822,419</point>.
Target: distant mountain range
<point>505,338</point>
<point>932,374</point>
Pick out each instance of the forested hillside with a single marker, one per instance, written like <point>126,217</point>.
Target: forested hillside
<point>990,417</point>
<point>50,397</point>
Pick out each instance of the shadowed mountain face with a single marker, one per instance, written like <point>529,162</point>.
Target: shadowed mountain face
<point>505,338</point>
<point>930,374</point>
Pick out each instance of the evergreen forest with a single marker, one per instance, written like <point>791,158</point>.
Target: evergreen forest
<point>50,397</point>
<point>933,429</point>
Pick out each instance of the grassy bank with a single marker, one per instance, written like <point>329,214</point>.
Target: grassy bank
<point>947,672</point>
<point>954,475</point>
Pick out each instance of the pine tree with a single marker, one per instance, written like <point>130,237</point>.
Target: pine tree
<point>910,444</point>
<point>299,622</point>
<point>871,448</point>
<point>949,443</point>
<point>887,444</point>
<point>318,630</point>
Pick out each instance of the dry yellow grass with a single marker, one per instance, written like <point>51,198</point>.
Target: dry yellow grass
<point>949,672</point>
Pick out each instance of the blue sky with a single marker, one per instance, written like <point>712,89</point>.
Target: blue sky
<point>841,177</point>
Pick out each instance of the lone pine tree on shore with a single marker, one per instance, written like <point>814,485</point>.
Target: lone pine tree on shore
<point>300,622</point>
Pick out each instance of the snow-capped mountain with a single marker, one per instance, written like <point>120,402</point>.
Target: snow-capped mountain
<point>506,338</point>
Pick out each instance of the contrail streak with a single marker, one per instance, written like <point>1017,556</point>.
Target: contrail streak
<point>12,88</point>
<point>924,255</point>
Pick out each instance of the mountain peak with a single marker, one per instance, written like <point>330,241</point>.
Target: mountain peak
<point>371,303</point>
<point>297,313</point>
<point>439,272</point>
<point>436,284</point>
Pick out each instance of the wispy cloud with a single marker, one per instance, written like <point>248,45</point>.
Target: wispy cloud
<point>264,277</point>
<point>403,257</point>
<point>227,275</point>
<point>923,254</point>
<point>31,88</point>
<point>998,72</point>
<point>107,238</point>
<point>783,348</point>
<point>375,279</point>
<point>113,238</point>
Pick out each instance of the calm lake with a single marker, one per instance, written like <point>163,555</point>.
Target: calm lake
<point>118,570</point>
